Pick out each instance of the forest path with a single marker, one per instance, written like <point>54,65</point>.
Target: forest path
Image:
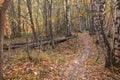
<point>77,69</point>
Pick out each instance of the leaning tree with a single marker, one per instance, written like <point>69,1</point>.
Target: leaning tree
<point>99,23</point>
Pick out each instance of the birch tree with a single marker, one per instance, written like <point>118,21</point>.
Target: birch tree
<point>78,14</point>
<point>117,34</point>
<point>68,18</point>
<point>99,7</point>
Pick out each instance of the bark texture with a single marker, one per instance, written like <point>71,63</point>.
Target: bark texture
<point>2,18</point>
<point>117,34</point>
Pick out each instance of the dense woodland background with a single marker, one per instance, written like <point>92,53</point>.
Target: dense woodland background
<point>60,39</point>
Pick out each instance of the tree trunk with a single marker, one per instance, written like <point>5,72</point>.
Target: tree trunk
<point>117,34</point>
<point>106,45</point>
<point>2,17</point>
<point>68,18</point>
<point>37,18</point>
<point>29,5</point>
<point>57,25</point>
<point>93,9</point>
<point>99,24</point>
<point>50,23</point>
<point>45,15</point>
<point>19,19</point>
<point>12,19</point>
<point>78,14</point>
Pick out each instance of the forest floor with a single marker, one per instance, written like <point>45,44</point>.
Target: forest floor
<point>74,59</point>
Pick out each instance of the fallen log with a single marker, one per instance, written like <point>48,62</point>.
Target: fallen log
<point>36,44</point>
<point>24,43</point>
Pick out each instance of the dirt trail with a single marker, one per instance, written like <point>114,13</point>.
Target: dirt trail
<point>77,69</point>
